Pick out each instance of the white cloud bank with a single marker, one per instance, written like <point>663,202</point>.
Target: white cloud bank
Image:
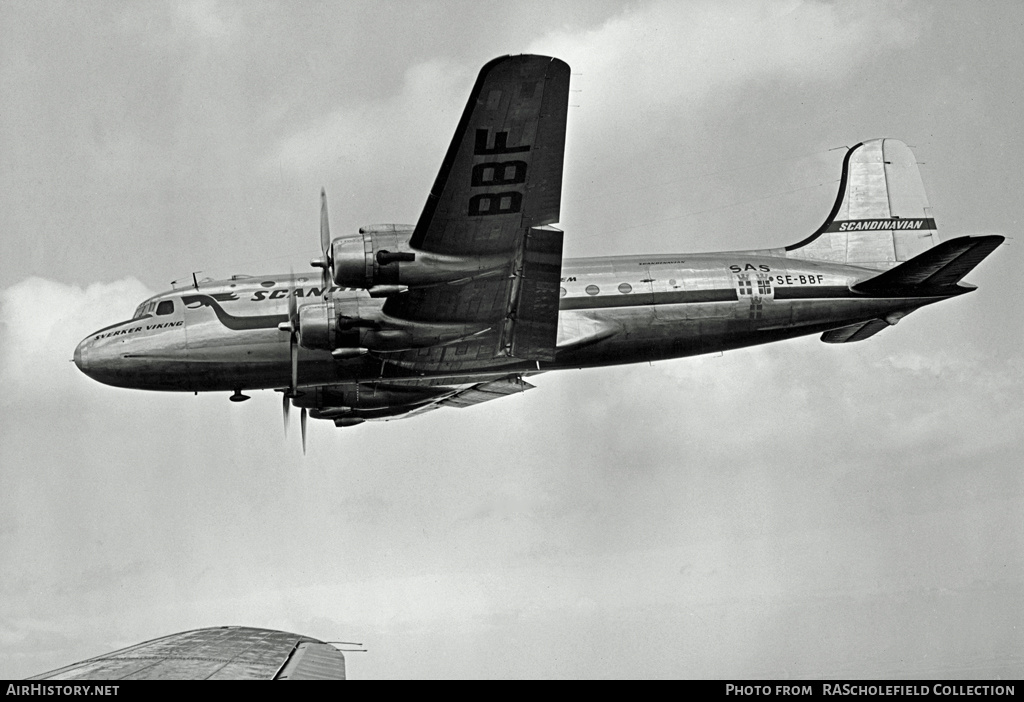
<point>42,321</point>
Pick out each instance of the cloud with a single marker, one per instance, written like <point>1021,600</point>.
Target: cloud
<point>407,130</point>
<point>204,19</point>
<point>385,151</point>
<point>706,47</point>
<point>42,322</point>
<point>703,49</point>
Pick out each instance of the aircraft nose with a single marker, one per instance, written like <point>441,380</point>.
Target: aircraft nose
<point>82,356</point>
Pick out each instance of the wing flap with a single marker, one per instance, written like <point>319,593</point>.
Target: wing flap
<point>531,326</point>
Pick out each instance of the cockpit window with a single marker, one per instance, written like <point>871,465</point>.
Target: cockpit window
<point>165,307</point>
<point>145,309</point>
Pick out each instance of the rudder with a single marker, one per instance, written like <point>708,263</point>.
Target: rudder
<point>881,216</point>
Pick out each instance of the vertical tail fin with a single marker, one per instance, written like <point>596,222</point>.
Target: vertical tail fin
<point>881,216</point>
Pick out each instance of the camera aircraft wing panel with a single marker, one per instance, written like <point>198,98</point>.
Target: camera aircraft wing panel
<point>217,653</point>
<point>502,173</point>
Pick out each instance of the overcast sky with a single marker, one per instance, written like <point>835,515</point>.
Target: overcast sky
<point>792,510</point>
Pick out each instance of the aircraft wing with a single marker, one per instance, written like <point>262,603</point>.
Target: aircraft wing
<point>480,392</point>
<point>498,188</point>
<point>503,170</point>
<point>219,653</point>
<point>352,403</point>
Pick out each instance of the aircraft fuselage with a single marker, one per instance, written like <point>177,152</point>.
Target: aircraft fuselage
<point>224,335</point>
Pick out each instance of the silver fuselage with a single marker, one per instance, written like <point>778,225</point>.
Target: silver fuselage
<point>224,336</point>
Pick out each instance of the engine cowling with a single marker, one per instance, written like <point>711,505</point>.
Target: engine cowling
<point>371,257</point>
<point>349,326</point>
<point>380,260</point>
<point>336,324</point>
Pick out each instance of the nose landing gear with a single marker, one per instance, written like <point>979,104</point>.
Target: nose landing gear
<point>238,397</point>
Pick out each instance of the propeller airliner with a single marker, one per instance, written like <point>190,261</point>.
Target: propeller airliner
<point>473,299</point>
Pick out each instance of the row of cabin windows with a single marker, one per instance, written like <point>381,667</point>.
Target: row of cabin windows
<point>624,288</point>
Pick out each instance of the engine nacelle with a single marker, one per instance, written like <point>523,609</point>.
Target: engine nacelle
<point>372,256</point>
<point>350,325</point>
<point>352,404</point>
<point>380,260</point>
<point>336,324</point>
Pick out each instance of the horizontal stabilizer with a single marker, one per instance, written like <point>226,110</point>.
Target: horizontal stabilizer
<point>854,332</point>
<point>942,266</point>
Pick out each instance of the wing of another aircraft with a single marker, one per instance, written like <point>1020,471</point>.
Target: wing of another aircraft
<point>219,653</point>
<point>499,186</point>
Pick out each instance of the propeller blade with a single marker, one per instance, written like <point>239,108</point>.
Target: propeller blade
<point>325,225</point>
<point>293,356</point>
<point>293,310</point>
<point>293,341</point>
<point>325,243</point>
<point>293,391</point>
<point>302,424</point>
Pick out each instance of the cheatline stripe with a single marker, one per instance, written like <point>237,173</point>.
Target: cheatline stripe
<point>640,299</point>
<point>813,291</point>
<point>796,292</point>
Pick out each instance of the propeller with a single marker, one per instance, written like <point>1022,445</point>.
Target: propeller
<point>325,262</point>
<point>292,327</point>
<point>302,424</point>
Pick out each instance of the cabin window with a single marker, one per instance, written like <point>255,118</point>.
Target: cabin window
<point>593,290</point>
<point>165,307</point>
<point>625,288</point>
